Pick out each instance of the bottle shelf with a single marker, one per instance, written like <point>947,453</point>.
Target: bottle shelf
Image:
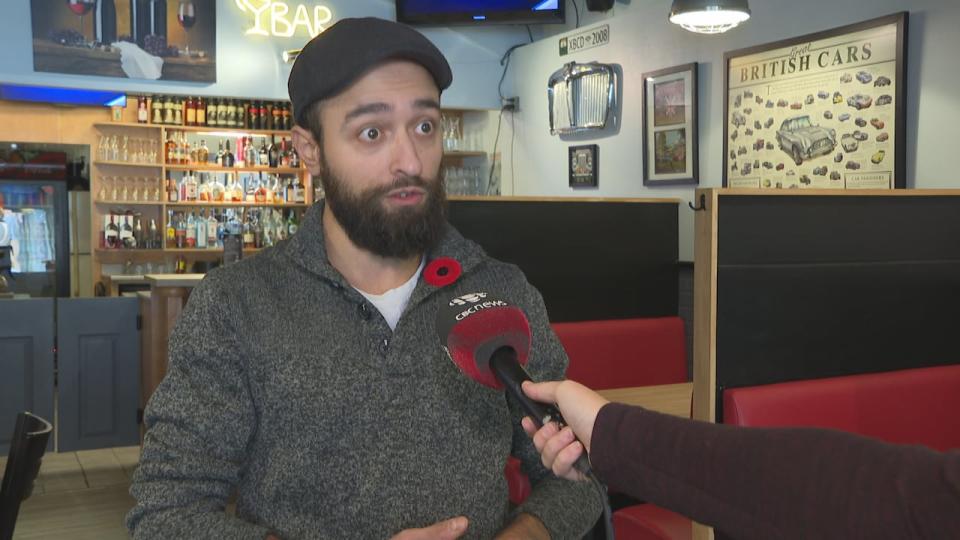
<point>203,204</point>
<point>129,164</point>
<point>129,203</point>
<point>125,125</point>
<point>223,131</point>
<point>189,251</point>
<point>214,168</point>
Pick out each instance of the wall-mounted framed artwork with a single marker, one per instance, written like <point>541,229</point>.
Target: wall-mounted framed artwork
<point>173,40</point>
<point>670,147</point>
<point>584,165</point>
<point>824,110</point>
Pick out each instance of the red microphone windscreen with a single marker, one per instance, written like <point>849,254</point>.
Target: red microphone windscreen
<point>472,333</point>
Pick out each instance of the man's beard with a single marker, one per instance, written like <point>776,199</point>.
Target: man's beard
<point>399,233</point>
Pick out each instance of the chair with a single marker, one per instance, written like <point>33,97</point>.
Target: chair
<point>23,463</point>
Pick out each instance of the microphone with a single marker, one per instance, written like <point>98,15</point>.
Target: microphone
<point>489,340</point>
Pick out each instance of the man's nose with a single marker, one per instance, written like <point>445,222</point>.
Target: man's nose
<point>405,156</point>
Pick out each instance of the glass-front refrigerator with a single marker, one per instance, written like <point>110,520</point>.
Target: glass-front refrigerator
<point>34,231</point>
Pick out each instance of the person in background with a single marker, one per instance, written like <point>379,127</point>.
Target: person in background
<point>308,380</point>
<point>754,482</point>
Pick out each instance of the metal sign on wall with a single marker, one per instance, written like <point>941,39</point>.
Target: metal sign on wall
<point>588,39</point>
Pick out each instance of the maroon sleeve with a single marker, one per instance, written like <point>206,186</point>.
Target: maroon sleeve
<point>773,483</point>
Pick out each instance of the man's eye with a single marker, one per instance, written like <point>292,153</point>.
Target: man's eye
<point>426,128</point>
<point>370,134</point>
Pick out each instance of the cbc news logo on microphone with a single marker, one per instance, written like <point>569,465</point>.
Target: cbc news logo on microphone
<point>466,299</point>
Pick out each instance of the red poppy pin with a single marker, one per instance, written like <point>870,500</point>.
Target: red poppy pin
<point>442,272</point>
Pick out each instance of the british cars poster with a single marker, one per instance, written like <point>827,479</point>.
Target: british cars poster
<point>821,111</point>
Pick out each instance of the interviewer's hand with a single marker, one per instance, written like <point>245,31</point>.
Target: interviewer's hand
<point>579,406</point>
<point>449,529</point>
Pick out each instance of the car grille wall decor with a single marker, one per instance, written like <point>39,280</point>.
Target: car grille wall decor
<point>824,110</point>
<point>581,97</point>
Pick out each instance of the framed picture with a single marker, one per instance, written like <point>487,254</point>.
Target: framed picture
<point>824,111</point>
<point>584,163</point>
<point>136,39</point>
<point>670,149</point>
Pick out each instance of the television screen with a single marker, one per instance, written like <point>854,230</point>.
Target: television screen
<point>447,12</point>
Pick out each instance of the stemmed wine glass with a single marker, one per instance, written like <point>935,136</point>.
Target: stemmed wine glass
<point>81,8</point>
<point>187,17</point>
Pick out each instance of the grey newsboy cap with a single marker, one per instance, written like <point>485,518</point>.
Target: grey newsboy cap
<point>330,62</point>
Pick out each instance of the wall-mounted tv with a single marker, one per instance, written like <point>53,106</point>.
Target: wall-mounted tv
<point>450,12</point>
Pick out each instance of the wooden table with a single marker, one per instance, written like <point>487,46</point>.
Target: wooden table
<point>666,398</point>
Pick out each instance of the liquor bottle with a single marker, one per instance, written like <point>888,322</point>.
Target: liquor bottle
<point>156,108</point>
<point>139,241</point>
<point>110,233</point>
<point>219,159</point>
<point>178,111</point>
<point>201,225</point>
<point>258,232</point>
<point>191,119</point>
<point>274,153</point>
<point>212,227</point>
<point>276,189</point>
<point>287,118</point>
<point>190,188</point>
<point>263,121</point>
<point>300,193</point>
<point>251,155</point>
<point>171,230</point>
<point>203,190</point>
<point>228,159</point>
<point>294,157</point>
<point>248,238</point>
<point>284,159</point>
<point>222,113</point>
<point>253,115</point>
<point>288,193</point>
<point>277,117</point>
<point>216,189</point>
<point>105,22</point>
<point>185,150</point>
<point>293,223</point>
<point>250,194</point>
<point>153,241</point>
<point>142,114</point>
<point>263,156</point>
<point>247,108</point>
<point>170,149</point>
<point>173,194</point>
<point>203,153</point>
<point>260,194</point>
<point>200,104</point>
<point>126,233</point>
<point>211,113</point>
<point>191,232</point>
<point>236,192</point>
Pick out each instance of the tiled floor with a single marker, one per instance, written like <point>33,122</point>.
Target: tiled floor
<point>79,496</point>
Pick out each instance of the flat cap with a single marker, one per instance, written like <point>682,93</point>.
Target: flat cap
<point>330,62</point>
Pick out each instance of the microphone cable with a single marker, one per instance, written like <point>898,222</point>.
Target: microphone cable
<point>605,502</point>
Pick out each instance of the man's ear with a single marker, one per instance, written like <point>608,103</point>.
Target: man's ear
<point>308,148</point>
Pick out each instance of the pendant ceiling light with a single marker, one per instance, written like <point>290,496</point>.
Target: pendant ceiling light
<point>709,16</point>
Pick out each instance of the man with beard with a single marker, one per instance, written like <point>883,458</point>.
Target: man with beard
<point>308,379</point>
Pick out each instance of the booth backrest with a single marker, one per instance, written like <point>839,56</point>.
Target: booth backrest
<point>912,406</point>
<point>624,352</point>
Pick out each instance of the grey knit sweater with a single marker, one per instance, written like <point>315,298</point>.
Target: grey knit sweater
<point>287,387</point>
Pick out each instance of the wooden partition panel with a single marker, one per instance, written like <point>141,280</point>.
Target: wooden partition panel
<point>823,284</point>
<point>590,258</point>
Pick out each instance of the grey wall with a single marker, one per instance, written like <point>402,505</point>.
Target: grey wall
<point>643,40</point>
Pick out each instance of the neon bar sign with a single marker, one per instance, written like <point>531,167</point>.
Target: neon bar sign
<point>273,18</point>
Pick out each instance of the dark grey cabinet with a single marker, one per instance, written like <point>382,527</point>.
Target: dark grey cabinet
<point>98,373</point>
<point>26,362</point>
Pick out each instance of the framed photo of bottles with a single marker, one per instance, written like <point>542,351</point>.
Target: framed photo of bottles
<point>173,40</point>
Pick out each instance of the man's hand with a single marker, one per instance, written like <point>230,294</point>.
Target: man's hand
<point>445,530</point>
<point>579,406</point>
